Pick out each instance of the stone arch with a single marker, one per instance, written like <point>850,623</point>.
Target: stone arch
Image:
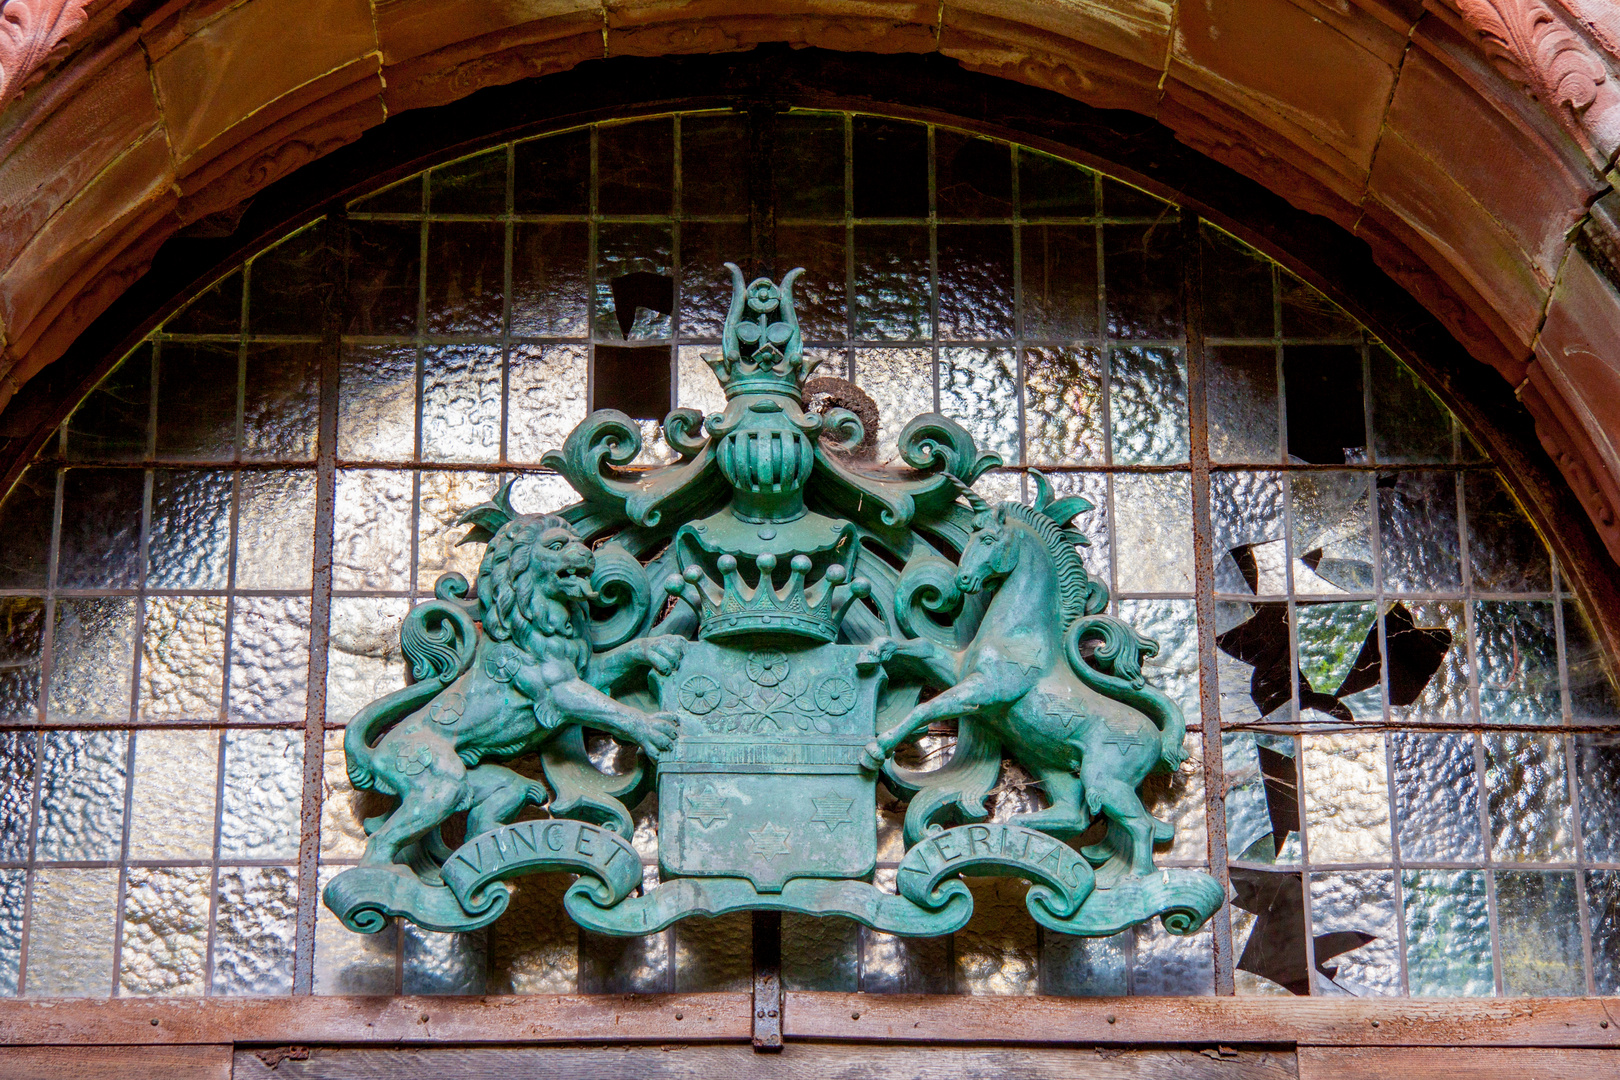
<point>1466,141</point>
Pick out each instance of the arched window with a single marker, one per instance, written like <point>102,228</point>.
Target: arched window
<point>207,565</point>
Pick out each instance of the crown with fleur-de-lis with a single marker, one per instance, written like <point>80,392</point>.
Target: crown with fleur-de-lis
<point>762,351</point>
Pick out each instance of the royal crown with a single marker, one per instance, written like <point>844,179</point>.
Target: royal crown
<point>761,349</point>
<point>735,608</point>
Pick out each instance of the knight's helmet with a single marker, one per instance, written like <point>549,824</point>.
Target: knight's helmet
<point>764,442</point>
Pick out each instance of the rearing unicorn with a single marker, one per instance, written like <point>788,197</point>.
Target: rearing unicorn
<point>1059,683</point>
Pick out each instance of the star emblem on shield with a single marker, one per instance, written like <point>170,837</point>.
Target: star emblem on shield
<point>768,840</point>
<point>832,811</point>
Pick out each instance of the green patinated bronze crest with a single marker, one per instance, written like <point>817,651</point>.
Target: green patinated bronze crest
<point>768,623</point>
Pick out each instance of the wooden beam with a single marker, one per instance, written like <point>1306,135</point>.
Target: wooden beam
<point>1574,1022</point>
<point>115,1062</point>
<point>1449,1063</point>
<point>872,1018</point>
<point>273,1021</point>
<point>798,1061</point>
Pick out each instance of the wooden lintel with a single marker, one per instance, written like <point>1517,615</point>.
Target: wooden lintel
<point>394,1020</point>
<point>938,1019</point>
<point>1572,1022</point>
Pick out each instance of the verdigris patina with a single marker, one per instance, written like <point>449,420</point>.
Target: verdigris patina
<point>762,620</point>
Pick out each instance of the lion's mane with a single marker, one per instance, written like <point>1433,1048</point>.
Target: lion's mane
<point>506,587</point>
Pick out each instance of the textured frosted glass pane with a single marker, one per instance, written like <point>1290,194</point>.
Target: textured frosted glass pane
<point>377,403</point>
<point>1307,313</point>
<point>254,930</point>
<point>1603,901</point>
<point>714,955</point>
<point>264,781</point>
<point>1332,533</point>
<point>897,965</point>
<point>1178,798</point>
<point>1436,797</point>
<point>1148,406</point>
<point>182,657</point>
<point>173,805</point>
<point>820,953</point>
<point>1346,798</point>
<point>631,965</point>
<point>1527,793</point>
<point>350,963</point>
<point>371,542</point>
<point>1445,696</point>
<point>997,950</point>
<point>1059,281</point>
<point>548,279</point>
<point>1063,406</point>
<point>1539,923</point>
<point>1083,967</point>
<point>70,933</point>
<point>1093,524</point>
<point>1331,640</point>
<point>269,658</point>
<point>189,546</point>
<point>466,275</point>
<point>1153,533</point>
<point>706,246</point>
<point>1417,522</point>
<point>1409,424</point>
<point>22,639</point>
<point>1505,554</point>
<point>1241,388</point>
<point>18,749</point>
<point>1246,516</point>
<point>697,388</point>
<point>1517,652</point>
<point>461,403</point>
<point>1174,625</point>
<point>537,951</point>
<point>901,384</point>
<point>81,795</point>
<point>435,963</point>
<point>893,293</point>
<point>1142,267</point>
<point>1237,287</point>
<point>111,424</point>
<point>1592,694</point>
<point>546,398</point>
<point>25,519</point>
<point>165,947</point>
<point>343,809</point>
<point>1262,801</point>
<point>1448,933</point>
<point>978,388</point>
<point>473,185</point>
<point>101,528</point>
<point>621,251</point>
<point>1170,966</point>
<point>1598,766</point>
<point>384,277</point>
<point>281,402</point>
<point>364,661</point>
<point>444,498</point>
<point>13,886</point>
<point>275,527</point>
<point>1361,902</point>
<point>196,406</point>
<point>975,282</point>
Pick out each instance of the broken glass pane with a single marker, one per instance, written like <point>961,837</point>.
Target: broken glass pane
<point>1332,536</point>
<point>1353,923</point>
<point>1262,797</point>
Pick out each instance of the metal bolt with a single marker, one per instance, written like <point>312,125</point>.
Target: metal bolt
<point>680,1016</point>
<point>854,1016</point>
<point>1601,1023</point>
<point>1110,1019</point>
<point>760,1014</point>
<point>771,1013</point>
<point>1376,1023</point>
<point>155,1022</point>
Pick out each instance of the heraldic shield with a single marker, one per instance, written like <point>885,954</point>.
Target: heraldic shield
<point>768,622</point>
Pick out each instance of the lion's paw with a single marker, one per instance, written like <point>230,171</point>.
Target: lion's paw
<point>662,729</point>
<point>664,652</point>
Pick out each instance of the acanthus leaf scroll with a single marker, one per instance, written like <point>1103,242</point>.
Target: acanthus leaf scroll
<point>769,623</point>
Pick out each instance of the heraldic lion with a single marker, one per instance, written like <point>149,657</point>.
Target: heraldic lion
<point>492,695</point>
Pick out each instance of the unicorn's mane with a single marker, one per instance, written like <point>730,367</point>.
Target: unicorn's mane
<point>1071,572</point>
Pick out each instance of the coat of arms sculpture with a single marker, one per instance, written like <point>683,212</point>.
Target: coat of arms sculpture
<point>766,621</point>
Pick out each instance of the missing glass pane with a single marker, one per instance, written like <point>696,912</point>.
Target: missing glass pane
<point>634,380</point>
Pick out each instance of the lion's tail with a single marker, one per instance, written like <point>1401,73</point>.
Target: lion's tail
<point>439,640</point>
<point>1114,668</point>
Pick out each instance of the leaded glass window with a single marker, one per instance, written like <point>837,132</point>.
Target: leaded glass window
<point>207,567</point>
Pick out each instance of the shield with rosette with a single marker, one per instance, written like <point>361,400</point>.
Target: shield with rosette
<point>765,780</point>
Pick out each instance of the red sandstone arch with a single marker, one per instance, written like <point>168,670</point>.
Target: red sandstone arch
<point>1467,141</point>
